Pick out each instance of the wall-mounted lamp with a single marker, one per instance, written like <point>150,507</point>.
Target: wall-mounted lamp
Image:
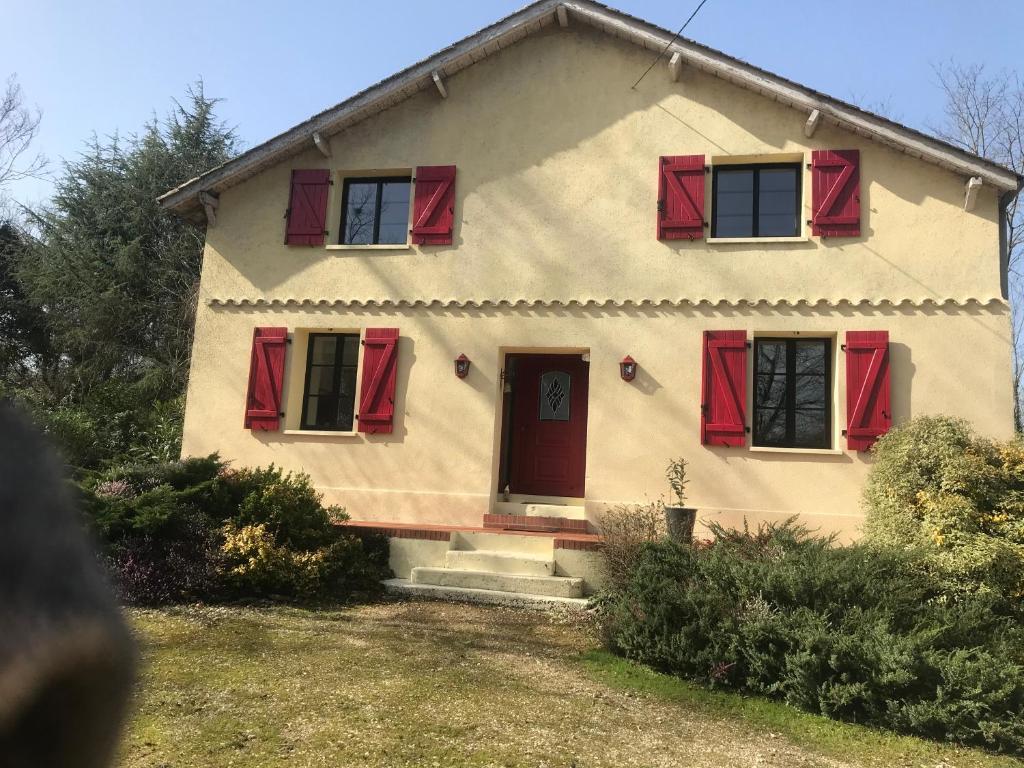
<point>627,368</point>
<point>462,364</point>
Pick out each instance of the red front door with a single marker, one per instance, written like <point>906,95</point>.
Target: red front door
<point>548,434</point>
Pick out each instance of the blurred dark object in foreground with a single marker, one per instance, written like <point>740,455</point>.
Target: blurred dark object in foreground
<point>66,656</point>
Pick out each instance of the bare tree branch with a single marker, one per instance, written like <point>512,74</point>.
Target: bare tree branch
<point>19,127</point>
<point>985,115</point>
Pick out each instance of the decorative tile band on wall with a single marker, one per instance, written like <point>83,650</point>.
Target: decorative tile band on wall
<point>610,303</point>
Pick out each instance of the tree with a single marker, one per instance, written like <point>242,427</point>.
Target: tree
<point>117,274</point>
<point>26,353</point>
<point>18,129</point>
<point>116,279</point>
<point>985,115</point>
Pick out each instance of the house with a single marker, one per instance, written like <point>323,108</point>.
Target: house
<point>493,294</point>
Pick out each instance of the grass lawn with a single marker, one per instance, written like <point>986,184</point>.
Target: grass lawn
<point>433,684</point>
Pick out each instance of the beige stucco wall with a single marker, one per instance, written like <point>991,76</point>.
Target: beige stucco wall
<point>440,465</point>
<point>555,204</point>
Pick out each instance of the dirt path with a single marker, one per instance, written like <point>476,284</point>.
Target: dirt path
<point>407,684</point>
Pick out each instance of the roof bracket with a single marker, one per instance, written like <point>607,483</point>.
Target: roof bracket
<point>322,144</point>
<point>675,65</point>
<point>440,84</point>
<point>812,123</point>
<point>563,16</point>
<point>971,193</point>
<point>210,204</point>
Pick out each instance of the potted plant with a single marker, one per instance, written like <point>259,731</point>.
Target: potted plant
<point>679,518</point>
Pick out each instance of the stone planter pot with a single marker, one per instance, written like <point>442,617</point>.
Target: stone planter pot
<point>679,521</point>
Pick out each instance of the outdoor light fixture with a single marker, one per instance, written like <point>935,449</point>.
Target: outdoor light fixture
<point>627,368</point>
<point>462,364</point>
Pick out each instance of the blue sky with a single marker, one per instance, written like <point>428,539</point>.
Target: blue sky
<point>108,65</point>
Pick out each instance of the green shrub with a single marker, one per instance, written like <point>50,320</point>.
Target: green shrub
<point>937,486</point>
<point>288,506</point>
<point>192,529</point>
<point>858,633</point>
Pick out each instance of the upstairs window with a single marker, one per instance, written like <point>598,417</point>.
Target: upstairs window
<point>375,211</point>
<point>791,393</point>
<point>330,394</point>
<point>756,200</point>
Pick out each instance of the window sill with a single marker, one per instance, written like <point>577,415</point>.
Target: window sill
<point>798,239</point>
<point>377,247</point>
<point>812,451</point>
<point>320,433</point>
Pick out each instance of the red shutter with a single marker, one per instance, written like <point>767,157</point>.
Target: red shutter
<point>835,192</point>
<point>681,197</point>
<point>377,390</point>
<point>723,405</point>
<point>266,377</point>
<point>433,210</point>
<point>307,207</point>
<point>868,414</point>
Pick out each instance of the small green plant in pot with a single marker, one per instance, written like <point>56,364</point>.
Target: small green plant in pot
<point>679,518</point>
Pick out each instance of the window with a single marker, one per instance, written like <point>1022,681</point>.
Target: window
<point>330,394</point>
<point>756,201</point>
<point>792,393</point>
<point>375,211</point>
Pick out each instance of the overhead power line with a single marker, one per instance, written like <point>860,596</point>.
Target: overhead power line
<point>669,44</point>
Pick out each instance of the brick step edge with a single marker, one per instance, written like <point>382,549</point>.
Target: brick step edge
<point>535,523</point>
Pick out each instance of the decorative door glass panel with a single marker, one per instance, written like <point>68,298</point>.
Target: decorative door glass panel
<point>554,396</point>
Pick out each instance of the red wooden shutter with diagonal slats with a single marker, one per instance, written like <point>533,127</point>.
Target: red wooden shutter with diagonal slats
<point>681,197</point>
<point>723,419</point>
<point>377,389</point>
<point>835,192</point>
<point>433,210</point>
<point>307,207</point>
<point>266,379</point>
<point>868,412</point>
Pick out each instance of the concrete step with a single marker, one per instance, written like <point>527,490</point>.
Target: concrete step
<point>405,588</point>
<point>571,511</point>
<point>537,546</point>
<point>498,562</point>
<point>553,586</point>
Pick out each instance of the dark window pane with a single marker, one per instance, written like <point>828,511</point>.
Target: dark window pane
<point>321,380</point>
<point>311,410</point>
<point>809,428</point>
<point>736,181</point>
<point>776,204</point>
<point>771,390</point>
<point>770,426</point>
<point>771,356</point>
<point>791,395</point>
<point>757,201</point>
<point>810,391</point>
<point>734,203</point>
<point>359,212</point>
<point>331,383</point>
<point>810,357</point>
<point>394,212</point>
<point>324,348</point>
<point>376,211</point>
<point>350,354</point>
<point>776,226</point>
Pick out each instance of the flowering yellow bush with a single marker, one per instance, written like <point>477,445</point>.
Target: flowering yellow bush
<point>936,485</point>
<point>256,564</point>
